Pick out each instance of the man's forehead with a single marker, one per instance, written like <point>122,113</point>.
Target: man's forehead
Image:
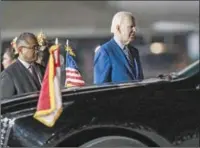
<point>30,41</point>
<point>129,21</point>
<point>129,18</point>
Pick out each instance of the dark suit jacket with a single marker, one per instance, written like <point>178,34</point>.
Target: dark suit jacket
<point>111,64</point>
<point>16,79</point>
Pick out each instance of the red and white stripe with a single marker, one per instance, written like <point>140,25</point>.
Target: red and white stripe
<point>73,77</point>
<point>49,105</point>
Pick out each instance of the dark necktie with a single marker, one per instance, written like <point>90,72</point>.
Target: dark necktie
<point>128,55</point>
<point>34,73</point>
<point>132,61</point>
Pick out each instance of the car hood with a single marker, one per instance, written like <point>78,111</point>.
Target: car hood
<point>75,90</point>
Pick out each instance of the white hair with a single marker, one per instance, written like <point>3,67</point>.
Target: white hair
<point>118,18</point>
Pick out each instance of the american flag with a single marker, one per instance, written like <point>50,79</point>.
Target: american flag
<point>73,76</point>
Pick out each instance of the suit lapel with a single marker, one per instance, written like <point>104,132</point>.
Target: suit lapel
<point>27,76</point>
<point>122,56</point>
<point>39,73</point>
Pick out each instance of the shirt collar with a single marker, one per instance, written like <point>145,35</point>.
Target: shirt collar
<point>118,42</point>
<point>27,65</point>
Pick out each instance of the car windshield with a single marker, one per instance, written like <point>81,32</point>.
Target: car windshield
<point>187,71</point>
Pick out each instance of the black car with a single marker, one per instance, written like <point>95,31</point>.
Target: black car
<point>161,111</point>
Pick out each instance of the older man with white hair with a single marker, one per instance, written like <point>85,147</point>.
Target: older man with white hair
<point>117,60</point>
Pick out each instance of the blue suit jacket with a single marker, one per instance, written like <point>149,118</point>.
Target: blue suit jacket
<point>111,64</point>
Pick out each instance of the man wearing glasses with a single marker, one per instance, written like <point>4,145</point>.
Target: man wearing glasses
<point>25,75</point>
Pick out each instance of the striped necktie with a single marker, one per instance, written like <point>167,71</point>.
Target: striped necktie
<point>128,55</point>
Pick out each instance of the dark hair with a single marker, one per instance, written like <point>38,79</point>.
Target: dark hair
<point>24,36</point>
<point>11,53</point>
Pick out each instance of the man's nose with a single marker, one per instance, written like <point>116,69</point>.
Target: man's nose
<point>134,29</point>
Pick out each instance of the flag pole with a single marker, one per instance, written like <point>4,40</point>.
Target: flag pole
<point>67,42</point>
<point>56,41</point>
<point>67,46</point>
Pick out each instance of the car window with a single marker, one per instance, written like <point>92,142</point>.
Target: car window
<point>189,70</point>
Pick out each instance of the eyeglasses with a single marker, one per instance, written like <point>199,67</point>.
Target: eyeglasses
<point>35,47</point>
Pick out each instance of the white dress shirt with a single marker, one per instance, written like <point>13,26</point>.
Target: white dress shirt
<point>118,42</point>
<point>26,64</point>
<point>125,50</point>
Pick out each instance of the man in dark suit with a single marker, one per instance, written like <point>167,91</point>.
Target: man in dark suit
<point>25,75</point>
<point>118,61</point>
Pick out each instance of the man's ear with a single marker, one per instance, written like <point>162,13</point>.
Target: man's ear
<point>118,28</point>
<point>19,49</point>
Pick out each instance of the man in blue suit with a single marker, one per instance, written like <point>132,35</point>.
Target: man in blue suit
<point>117,61</point>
